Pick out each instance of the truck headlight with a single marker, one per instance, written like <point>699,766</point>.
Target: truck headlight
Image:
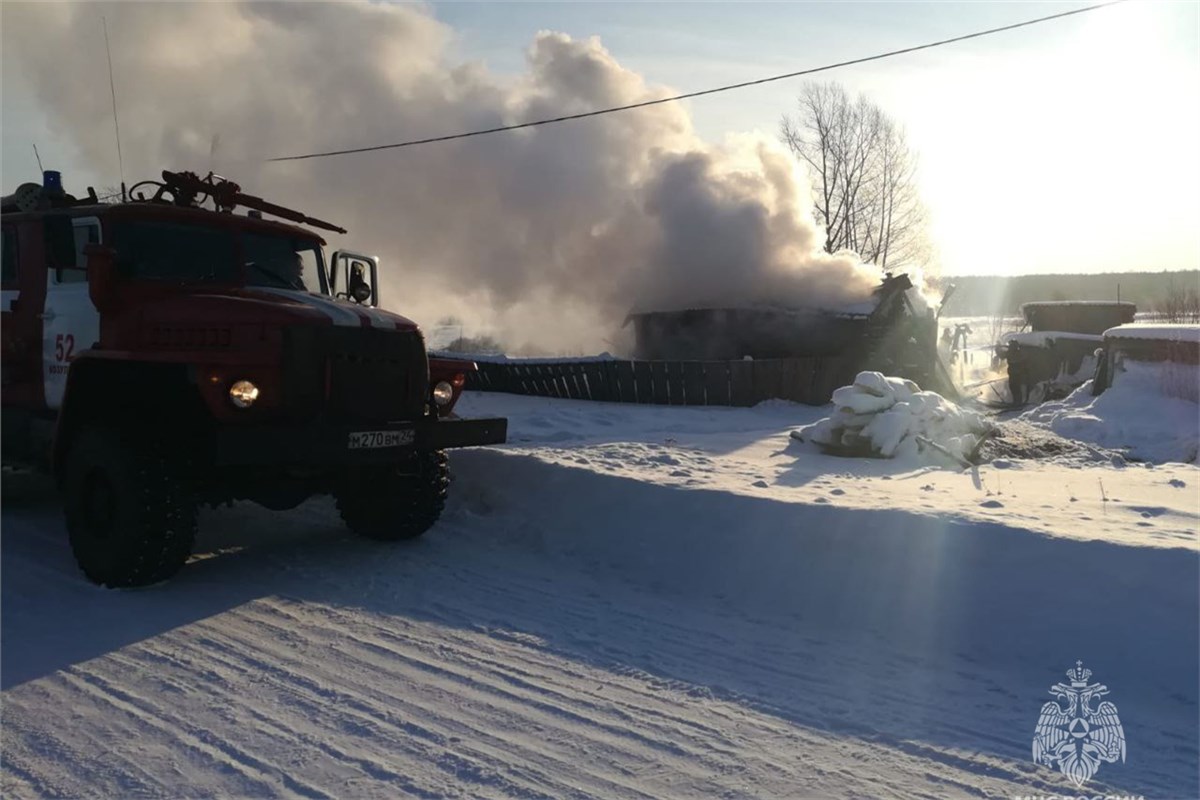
<point>443,393</point>
<point>243,394</point>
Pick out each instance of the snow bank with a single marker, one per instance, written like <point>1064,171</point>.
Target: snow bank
<point>893,418</point>
<point>1161,333</point>
<point>1135,415</point>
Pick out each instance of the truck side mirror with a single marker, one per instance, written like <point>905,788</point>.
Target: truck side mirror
<point>359,288</point>
<point>358,273</point>
<point>101,270</point>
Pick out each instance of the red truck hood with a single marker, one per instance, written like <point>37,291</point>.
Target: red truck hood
<point>337,312</point>
<point>257,304</point>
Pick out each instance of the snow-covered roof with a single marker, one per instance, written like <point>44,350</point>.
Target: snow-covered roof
<point>1041,338</point>
<point>1052,303</point>
<point>861,309</point>
<point>1163,333</point>
<point>500,358</point>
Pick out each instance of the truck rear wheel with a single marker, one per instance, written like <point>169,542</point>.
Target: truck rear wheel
<point>390,504</point>
<point>130,519</point>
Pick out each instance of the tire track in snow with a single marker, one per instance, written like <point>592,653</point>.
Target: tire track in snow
<point>707,744</point>
<point>19,781</point>
<point>305,703</point>
<point>322,702</point>
<point>471,668</point>
<point>458,730</point>
<point>677,644</point>
<point>292,734</point>
<point>686,643</point>
<point>268,778</point>
<point>518,668</point>
<point>43,725</point>
<point>448,635</point>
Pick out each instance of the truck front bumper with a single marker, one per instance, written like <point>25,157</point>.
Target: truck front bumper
<point>329,445</point>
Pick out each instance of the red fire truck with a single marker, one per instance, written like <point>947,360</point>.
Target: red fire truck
<point>167,352</point>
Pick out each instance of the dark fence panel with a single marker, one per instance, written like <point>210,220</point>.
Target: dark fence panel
<point>626,391</point>
<point>643,378</point>
<point>695,383</point>
<point>716,383</point>
<point>601,380</point>
<point>741,383</point>
<point>792,384</point>
<point>658,376</point>
<point>768,379</point>
<point>577,388</point>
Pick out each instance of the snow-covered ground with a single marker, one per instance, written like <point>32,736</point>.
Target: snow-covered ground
<point>1148,413</point>
<point>625,601</point>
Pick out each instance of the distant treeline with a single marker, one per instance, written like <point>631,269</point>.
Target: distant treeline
<point>990,295</point>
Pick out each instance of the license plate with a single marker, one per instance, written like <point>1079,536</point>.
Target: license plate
<point>363,440</point>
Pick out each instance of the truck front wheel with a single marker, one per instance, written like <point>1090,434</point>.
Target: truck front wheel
<point>130,519</point>
<point>390,504</point>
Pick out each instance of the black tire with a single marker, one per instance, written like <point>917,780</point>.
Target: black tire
<point>391,504</point>
<point>130,518</point>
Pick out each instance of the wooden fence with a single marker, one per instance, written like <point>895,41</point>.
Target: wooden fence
<point>692,383</point>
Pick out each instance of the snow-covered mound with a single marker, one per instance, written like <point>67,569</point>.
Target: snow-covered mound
<point>893,418</point>
<point>1138,415</point>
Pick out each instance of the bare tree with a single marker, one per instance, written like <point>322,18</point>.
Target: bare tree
<point>1179,305</point>
<point>864,176</point>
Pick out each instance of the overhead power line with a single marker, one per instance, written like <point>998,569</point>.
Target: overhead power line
<point>701,93</point>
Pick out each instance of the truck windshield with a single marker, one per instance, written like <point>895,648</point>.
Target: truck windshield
<point>281,262</point>
<point>179,252</point>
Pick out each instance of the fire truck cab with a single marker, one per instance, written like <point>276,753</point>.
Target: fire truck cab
<point>159,355</point>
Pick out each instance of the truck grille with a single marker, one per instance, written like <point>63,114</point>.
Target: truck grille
<point>354,374</point>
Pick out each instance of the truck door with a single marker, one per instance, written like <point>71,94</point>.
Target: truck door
<point>20,333</point>
<point>70,323</point>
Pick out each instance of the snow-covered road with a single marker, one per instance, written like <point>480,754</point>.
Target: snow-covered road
<point>624,602</point>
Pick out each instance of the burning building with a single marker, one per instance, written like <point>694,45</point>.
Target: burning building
<point>888,333</point>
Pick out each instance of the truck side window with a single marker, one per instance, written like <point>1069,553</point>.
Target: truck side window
<point>9,258</point>
<point>84,235</point>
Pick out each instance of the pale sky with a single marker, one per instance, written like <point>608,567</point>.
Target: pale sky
<point>1067,147</point>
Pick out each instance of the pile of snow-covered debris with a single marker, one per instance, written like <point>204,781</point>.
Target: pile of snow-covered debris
<point>1146,414</point>
<point>891,417</point>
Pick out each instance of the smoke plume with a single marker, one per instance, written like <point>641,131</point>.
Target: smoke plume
<point>549,236</point>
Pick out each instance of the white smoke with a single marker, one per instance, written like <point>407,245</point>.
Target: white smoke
<point>548,235</point>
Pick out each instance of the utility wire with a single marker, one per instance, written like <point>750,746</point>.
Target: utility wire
<point>702,92</point>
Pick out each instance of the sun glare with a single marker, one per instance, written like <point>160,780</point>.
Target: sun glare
<point>1030,160</point>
